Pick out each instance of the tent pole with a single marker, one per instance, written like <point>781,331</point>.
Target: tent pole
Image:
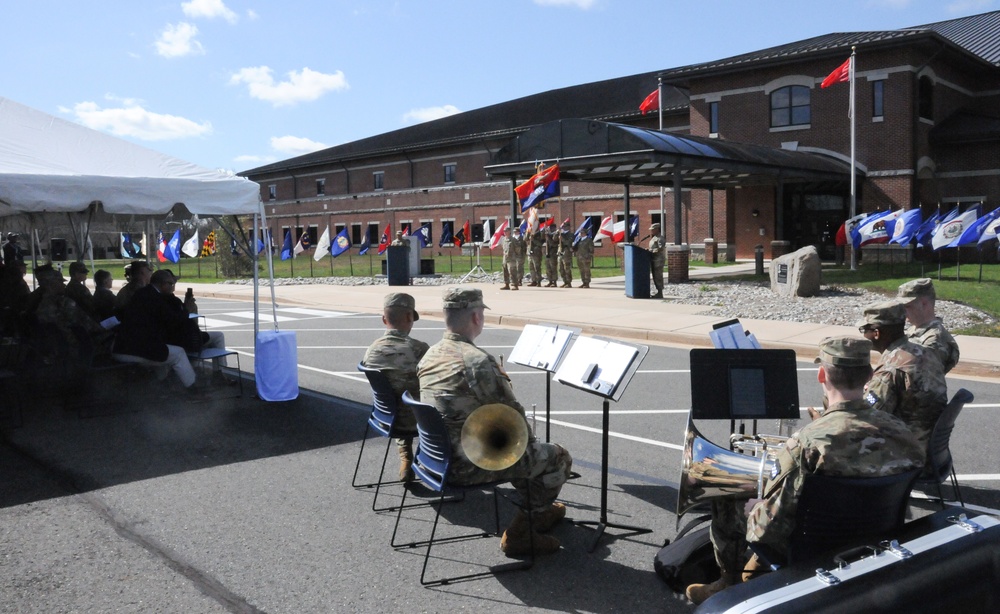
<point>270,270</point>
<point>255,256</point>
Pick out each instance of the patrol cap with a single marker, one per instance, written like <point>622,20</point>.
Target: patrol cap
<point>47,272</point>
<point>845,352</point>
<point>883,314</point>
<point>914,289</point>
<point>463,298</point>
<point>401,299</point>
<point>654,227</point>
<point>78,267</point>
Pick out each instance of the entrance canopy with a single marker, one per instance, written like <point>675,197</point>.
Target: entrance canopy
<point>616,153</point>
<point>49,164</point>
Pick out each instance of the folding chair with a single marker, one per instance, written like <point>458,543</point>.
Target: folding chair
<point>939,466</point>
<point>431,463</point>
<point>12,359</point>
<point>385,405</point>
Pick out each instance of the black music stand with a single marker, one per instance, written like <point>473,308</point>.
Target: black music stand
<point>603,367</point>
<point>542,346</point>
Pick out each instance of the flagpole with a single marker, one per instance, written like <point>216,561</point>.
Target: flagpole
<point>854,203</point>
<point>659,112</point>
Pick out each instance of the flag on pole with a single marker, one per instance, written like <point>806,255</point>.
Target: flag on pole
<point>523,227</point>
<point>323,247</point>
<point>633,228</point>
<point>171,250</point>
<point>542,185</point>
<point>992,230</point>
<point>607,228</point>
<point>973,233</point>
<point>341,243</point>
<point>161,244</point>
<point>383,243</point>
<point>286,247</point>
<point>208,247</point>
<point>192,247</point>
<point>462,236</point>
<point>142,246</point>
<point>424,235</point>
<point>446,237</point>
<point>586,225</point>
<point>302,245</point>
<point>879,230</point>
<point>926,229</point>
<point>366,243</point>
<point>951,232</point>
<point>867,221</point>
<point>840,74</point>
<point>938,238</point>
<point>906,227</point>
<point>651,102</point>
<point>498,235</point>
<point>129,249</point>
<point>487,235</point>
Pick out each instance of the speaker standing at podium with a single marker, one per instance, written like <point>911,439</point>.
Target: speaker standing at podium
<point>458,378</point>
<point>657,258</point>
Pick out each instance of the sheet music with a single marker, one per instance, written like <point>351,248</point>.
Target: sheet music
<point>596,364</point>
<point>540,346</point>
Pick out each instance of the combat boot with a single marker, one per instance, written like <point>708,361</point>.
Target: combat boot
<point>544,521</point>
<point>698,593</point>
<point>517,540</point>
<point>515,287</point>
<point>505,287</point>
<point>659,294</point>
<point>406,462</point>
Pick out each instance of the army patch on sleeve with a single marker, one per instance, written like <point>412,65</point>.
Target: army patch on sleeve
<point>871,398</point>
<point>776,469</point>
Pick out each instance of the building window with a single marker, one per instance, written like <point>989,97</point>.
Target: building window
<point>925,98</point>
<point>790,106</point>
<point>374,233</point>
<point>272,192</point>
<point>320,187</point>
<point>356,234</point>
<point>447,229</point>
<point>878,98</point>
<point>379,180</point>
<point>449,173</point>
<point>713,118</point>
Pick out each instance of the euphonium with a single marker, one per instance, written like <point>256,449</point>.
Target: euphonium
<point>494,436</point>
<point>709,471</point>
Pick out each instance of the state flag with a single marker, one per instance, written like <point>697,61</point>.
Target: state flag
<point>323,246</point>
<point>286,247</point>
<point>341,243</point>
<point>383,243</point>
<point>191,247</point>
<point>498,235</point>
<point>171,250</point>
<point>541,186</point>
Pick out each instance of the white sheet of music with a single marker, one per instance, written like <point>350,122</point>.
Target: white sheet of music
<point>540,346</point>
<point>596,364</point>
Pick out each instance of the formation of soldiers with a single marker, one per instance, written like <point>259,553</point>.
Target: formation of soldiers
<point>556,248</point>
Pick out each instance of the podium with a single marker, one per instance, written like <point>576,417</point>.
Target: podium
<point>397,265</point>
<point>637,267</point>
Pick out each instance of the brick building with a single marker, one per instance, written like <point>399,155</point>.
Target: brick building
<point>927,121</point>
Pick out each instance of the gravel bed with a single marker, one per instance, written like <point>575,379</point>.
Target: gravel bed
<point>731,299</point>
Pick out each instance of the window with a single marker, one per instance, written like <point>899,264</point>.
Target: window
<point>925,98</point>
<point>449,173</point>
<point>320,187</point>
<point>272,192</point>
<point>447,230</point>
<point>713,118</point>
<point>379,179</point>
<point>356,234</point>
<point>790,106</point>
<point>878,98</point>
<point>374,234</point>
<point>430,230</point>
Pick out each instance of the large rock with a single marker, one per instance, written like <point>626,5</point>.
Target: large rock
<point>797,274</point>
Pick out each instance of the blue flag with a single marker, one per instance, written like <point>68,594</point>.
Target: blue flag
<point>341,243</point>
<point>973,233</point>
<point>286,248</point>
<point>856,232</point>
<point>633,228</point>
<point>923,235</point>
<point>936,240</point>
<point>172,251</point>
<point>446,237</point>
<point>366,242</point>
<point>906,227</point>
<point>586,225</point>
<point>424,235</point>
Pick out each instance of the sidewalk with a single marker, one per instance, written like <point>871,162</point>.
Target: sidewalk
<point>601,310</point>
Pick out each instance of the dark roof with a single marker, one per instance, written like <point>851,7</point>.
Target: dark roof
<point>605,100</point>
<point>978,34</point>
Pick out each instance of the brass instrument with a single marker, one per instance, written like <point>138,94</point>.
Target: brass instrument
<point>709,471</point>
<point>494,437</point>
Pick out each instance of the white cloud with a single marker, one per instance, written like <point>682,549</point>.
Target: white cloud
<point>302,86</point>
<point>208,9</point>
<point>248,159</point>
<point>135,121</point>
<point>580,4</point>
<point>295,145</point>
<point>252,15</point>
<point>178,40</point>
<point>429,113</point>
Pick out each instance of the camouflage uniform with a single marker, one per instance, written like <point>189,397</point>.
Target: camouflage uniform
<point>850,439</point>
<point>908,382</point>
<point>657,258</point>
<point>396,355</point>
<point>457,377</point>
<point>934,336</point>
<point>566,256</point>
<point>584,258</point>
<point>519,254</point>
<point>509,261</point>
<point>536,250</point>
<point>551,256</point>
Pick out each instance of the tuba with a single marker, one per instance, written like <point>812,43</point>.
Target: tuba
<point>709,471</point>
<point>494,436</point>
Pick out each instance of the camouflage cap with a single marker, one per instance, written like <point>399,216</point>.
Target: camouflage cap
<point>654,227</point>
<point>401,299</point>
<point>883,314</point>
<point>48,272</point>
<point>463,298</point>
<point>845,352</point>
<point>915,289</point>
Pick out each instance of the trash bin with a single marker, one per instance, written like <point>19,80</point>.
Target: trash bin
<point>398,265</point>
<point>426,266</point>
<point>636,272</point>
<point>758,254</point>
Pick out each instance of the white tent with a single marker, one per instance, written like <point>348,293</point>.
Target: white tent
<point>50,165</point>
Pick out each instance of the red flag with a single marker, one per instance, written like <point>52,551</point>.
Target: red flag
<point>498,235</point>
<point>383,243</point>
<point>651,103</point>
<point>840,74</point>
<point>463,234</point>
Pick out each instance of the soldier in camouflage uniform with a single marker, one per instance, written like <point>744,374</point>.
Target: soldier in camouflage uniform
<point>566,255</point>
<point>657,258</point>
<point>509,260</point>
<point>584,256</point>
<point>396,354</point>
<point>551,256</point>
<point>519,254</point>
<point>848,439</point>
<point>925,328</point>
<point>909,380</point>
<point>536,251</point>
<point>457,378</point>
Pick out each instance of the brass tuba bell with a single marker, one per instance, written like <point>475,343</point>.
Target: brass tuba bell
<point>494,436</point>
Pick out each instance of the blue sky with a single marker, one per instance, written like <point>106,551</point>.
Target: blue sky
<point>235,84</point>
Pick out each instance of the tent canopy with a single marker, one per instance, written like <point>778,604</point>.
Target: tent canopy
<point>49,164</point>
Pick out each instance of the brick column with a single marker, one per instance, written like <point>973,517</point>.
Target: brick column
<point>780,248</point>
<point>678,259</point>
<point>711,252</point>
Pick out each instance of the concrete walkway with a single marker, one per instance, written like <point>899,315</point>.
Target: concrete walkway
<point>603,309</point>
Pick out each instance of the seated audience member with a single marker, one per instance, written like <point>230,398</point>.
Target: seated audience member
<point>104,297</point>
<point>925,328</point>
<point>137,276</point>
<point>848,439</point>
<point>14,293</point>
<point>77,288</point>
